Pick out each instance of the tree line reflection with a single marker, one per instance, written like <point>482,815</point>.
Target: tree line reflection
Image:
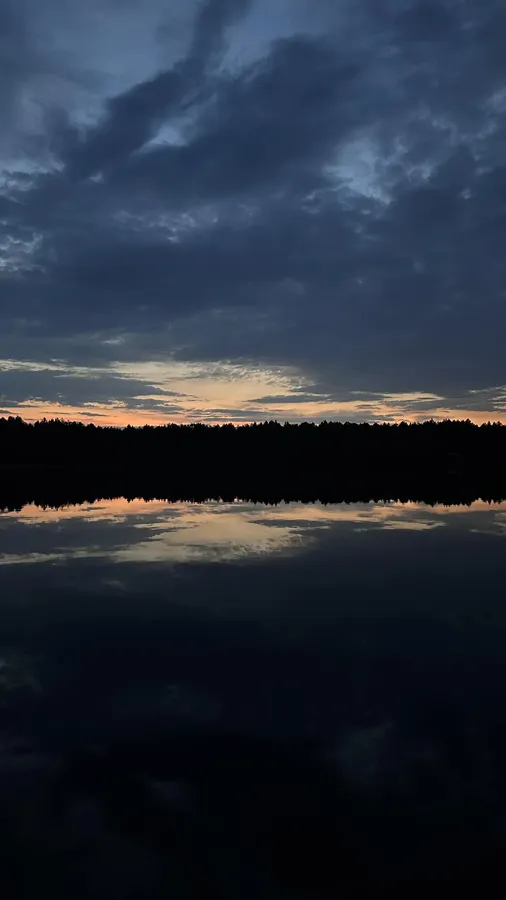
<point>56,463</point>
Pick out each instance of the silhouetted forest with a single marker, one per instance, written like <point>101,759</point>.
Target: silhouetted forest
<point>450,444</point>
<point>55,462</point>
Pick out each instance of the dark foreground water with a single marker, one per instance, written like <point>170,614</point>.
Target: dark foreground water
<point>243,701</point>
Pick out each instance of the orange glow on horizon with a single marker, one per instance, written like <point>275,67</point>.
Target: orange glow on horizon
<point>99,415</point>
<point>119,416</point>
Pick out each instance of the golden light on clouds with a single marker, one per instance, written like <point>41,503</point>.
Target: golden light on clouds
<point>182,392</point>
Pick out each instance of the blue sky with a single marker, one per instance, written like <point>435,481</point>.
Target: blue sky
<point>232,210</point>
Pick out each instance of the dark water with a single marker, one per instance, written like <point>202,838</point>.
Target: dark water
<point>240,701</point>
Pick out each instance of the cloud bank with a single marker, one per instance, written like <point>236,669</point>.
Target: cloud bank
<point>296,207</point>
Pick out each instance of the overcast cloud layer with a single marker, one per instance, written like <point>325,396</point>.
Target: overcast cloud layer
<point>240,209</point>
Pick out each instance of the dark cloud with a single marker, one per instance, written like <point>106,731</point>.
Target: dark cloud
<point>18,385</point>
<point>329,199</point>
<point>132,118</point>
<point>18,59</point>
<point>280,114</point>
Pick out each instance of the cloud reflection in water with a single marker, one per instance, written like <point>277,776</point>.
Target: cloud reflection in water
<point>159,532</point>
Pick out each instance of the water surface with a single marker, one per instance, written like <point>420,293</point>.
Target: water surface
<point>240,700</point>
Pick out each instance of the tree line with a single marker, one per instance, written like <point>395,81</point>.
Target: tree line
<point>57,442</point>
<point>61,443</point>
<point>55,461</point>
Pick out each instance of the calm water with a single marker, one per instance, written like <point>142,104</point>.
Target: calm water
<point>230,700</point>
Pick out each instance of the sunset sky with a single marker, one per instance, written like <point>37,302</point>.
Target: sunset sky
<point>233,210</point>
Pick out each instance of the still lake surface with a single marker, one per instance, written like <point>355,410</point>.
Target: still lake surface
<point>243,700</point>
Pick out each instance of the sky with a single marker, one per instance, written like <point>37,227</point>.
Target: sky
<point>238,210</point>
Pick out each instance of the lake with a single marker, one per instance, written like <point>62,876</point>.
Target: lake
<point>251,701</point>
